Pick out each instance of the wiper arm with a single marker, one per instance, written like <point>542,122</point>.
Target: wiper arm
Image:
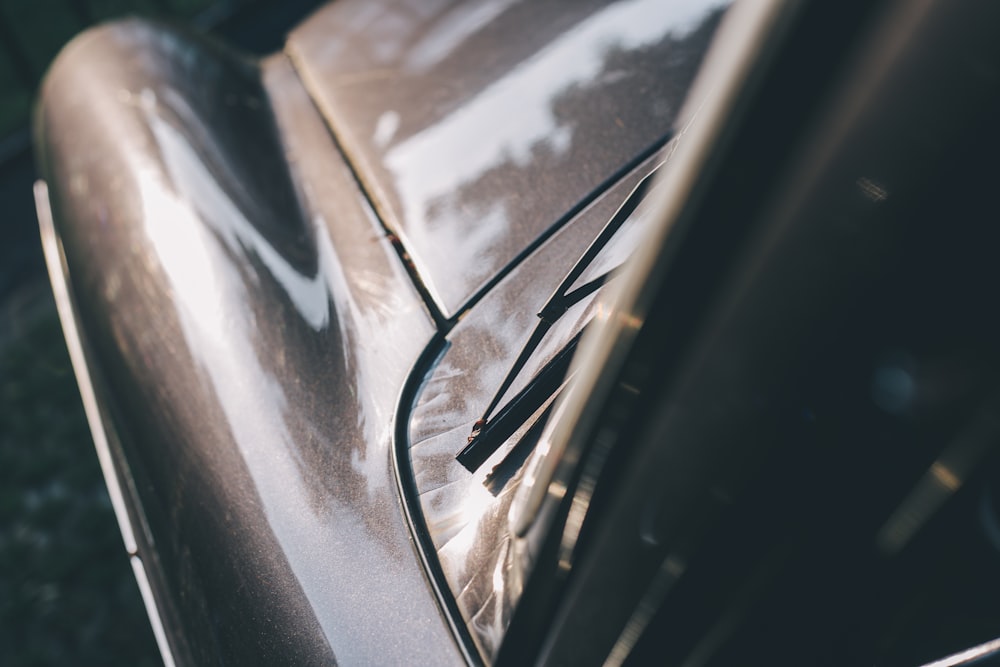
<point>489,432</point>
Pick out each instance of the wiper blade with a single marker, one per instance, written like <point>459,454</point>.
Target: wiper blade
<point>489,435</point>
<point>490,432</point>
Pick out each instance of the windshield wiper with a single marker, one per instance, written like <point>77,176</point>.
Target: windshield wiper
<point>490,432</point>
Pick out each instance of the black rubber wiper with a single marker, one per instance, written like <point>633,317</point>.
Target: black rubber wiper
<point>490,432</point>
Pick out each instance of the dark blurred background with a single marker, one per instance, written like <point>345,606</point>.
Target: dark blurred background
<point>67,595</point>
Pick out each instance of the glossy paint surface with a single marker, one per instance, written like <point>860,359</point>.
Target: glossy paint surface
<point>248,326</point>
<point>476,127</point>
<point>466,515</point>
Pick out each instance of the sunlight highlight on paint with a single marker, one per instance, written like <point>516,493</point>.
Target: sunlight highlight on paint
<point>480,135</point>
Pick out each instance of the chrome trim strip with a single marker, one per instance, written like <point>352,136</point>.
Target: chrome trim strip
<point>146,591</point>
<point>55,261</point>
<point>968,656</point>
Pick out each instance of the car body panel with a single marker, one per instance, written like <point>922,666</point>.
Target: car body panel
<point>477,127</point>
<point>248,325</point>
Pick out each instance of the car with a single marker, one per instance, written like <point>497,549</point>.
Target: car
<point>639,332</point>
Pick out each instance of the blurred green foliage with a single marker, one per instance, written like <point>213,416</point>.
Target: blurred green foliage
<point>67,596</point>
<point>14,99</point>
<point>33,31</point>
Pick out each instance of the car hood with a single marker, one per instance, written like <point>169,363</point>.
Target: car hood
<point>419,98</point>
<point>245,327</point>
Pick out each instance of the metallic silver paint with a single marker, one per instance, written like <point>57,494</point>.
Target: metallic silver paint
<point>249,326</point>
<point>476,126</point>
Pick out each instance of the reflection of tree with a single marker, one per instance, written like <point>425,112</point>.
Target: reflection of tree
<point>365,56</point>
<point>370,66</point>
<point>612,118</point>
<point>372,69</point>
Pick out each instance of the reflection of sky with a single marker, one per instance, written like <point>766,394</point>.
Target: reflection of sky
<point>218,324</point>
<point>482,134</point>
<point>461,22</point>
<point>195,250</point>
<point>308,293</point>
